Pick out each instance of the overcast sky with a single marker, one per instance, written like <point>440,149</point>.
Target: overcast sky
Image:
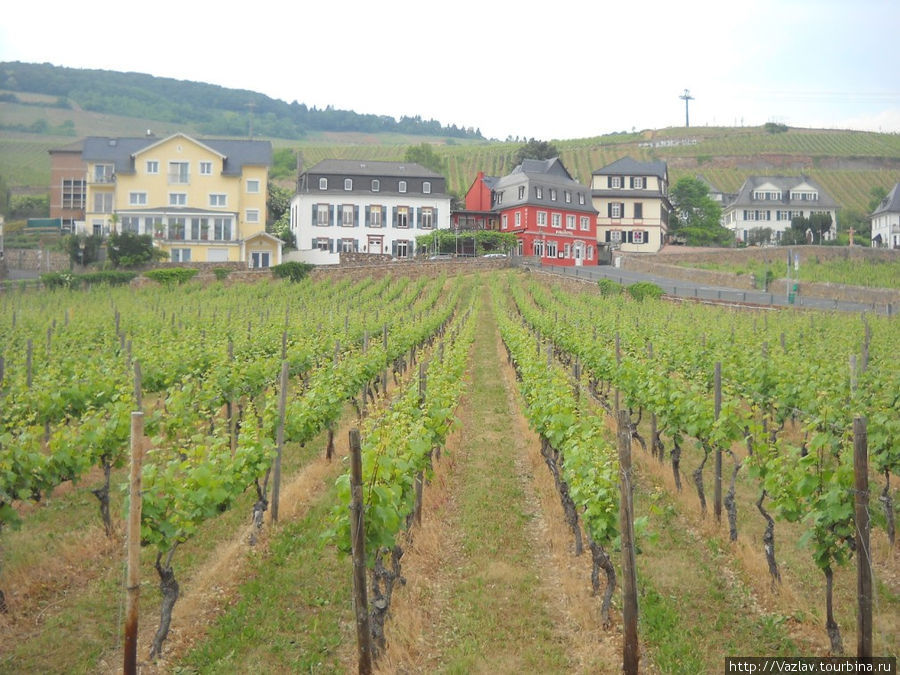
<point>548,70</point>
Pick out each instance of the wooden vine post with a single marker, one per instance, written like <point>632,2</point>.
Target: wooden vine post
<point>863,557</point>
<point>279,440</point>
<point>717,383</point>
<point>133,583</point>
<point>631,650</point>
<point>358,552</point>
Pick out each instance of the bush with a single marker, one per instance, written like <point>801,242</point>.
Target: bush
<point>69,280</point>
<point>221,273</point>
<point>293,271</point>
<point>645,289</point>
<point>55,280</point>
<point>609,287</point>
<point>171,275</point>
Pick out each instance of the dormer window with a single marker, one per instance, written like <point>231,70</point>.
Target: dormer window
<point>539,193</point>
<point>348,184</point>
<point>376,185</point>
<point>323,183</point>
<point>402,186</point>
<point>521,192</point>
<point>426,187</point>
<point>552,194</point>
<point>638,182</point>
<point>615,181</point>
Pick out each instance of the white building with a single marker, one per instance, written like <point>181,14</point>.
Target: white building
<point>772,201</point>
<point>886,221</point>
<point>368,207</point>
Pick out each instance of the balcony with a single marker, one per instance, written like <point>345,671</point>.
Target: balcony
<point>181,178</point>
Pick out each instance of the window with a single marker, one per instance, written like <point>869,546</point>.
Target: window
<point>348,184</point>
<point>103,202</point>
<point>615,181</point>
<point>402,186</point>
<point>556,220</point>
<point>426,187</point>
<point>218,200</point>
<point>259,259</point>
<point>376,185</point>
<point>137,198</point>
<point>518,219</point>
<point>206,168</point>
<point>521,192</point>
<point>498,197</point>
<point>615,210</point>
<point>323,215</point>
<point>542,219</point>
<point>570,222</point>
<point>638,182</point>
<point>552,194</point>
<point>131,224</point>
<point>176,228</point>
<point>253,186</point>
<point>252,216</point>
<point>155,225</point>
<point>590,252</point>
<point>638,210</point>
<point>348,245</point>
<point>323,183</point>
<point>323,244</point>
<point>347,213</point>
<point>177,199</point>
<point>567,251</point>
<point>504,222</point>
<point>568,196</point>
<point>538,247</point>
<point>374,216</point>
<point>581,198</point>
<point>402,248</point>
<point>152,166</point>
<point>73,194</point>
<point>402,217</point>
<point>639,237</point>
<point>551,249</point>
<point>222,229</point>
<point>539,193</point>
<point>103,173</point>
<point>199,229</point>
<point>181,255</point>
<point>615,236</point>
<point>585,223</point>
<point>179,173</point>
<point>426,218</point>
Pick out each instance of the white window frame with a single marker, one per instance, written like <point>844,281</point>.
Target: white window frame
<point>221,227</point>
<point>347,245</point>
<point>552,249</point>
<point>322,244</point>
<point>615,236</point>
<point>542,219</point>
<point>556,220</point>
<point>375,216</point>
<point>179,173</point>
<point>348,184</point>
<point>552,194</point>
<point>218,199</point>
<point>518,219</point>
<point>178,199</point>
<point>153,166</point>
<point>347,213</point>
<point>426,216</point>
<point>615,181</point>
<point>323,215</point>
<point>426,187</point>
<point>521,192</point>
<point>206,168</point>
<point>570,221</point>
<point>504,221</point>
<point>538,246</point>
<point>251,216</point>
<point>639,237</point>
<point>253,186</point>
<point>639,183</point>
<point>538,192</point>
<point>585,224</point>
<point>567,251</point>
<point>181,255</point>
<point>323,183</point>
<point>403,216</point>
<point>401,186</point>
<point>376,185</point>
<point>615,210</point>
<point>407,248</point>
<point>137,198</point>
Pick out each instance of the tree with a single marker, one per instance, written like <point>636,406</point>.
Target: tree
<point>534,149</point>
<point>424,155</point>
<point>284,163</point>
<point>278,202</point>
<point>696,216</point>
<point>130,250</point>
<point>82,250</point>
<point>759,235</point>
<point>876,194</point>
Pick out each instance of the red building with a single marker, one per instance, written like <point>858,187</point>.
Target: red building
<point>477,214</point>
<point>550,213</point>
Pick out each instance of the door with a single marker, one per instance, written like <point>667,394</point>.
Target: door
<point>578,253</point>
<point>374,245</point>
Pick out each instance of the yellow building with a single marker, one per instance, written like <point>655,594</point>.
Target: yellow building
<point>200,200</point>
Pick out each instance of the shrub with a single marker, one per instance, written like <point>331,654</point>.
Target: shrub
<point>171,275</point>
<point>221,273</point>
<point>58,279</point>
<point>609,287</point>
<point>294,271</point>
<point>111,277</point>
<point>645,289</point>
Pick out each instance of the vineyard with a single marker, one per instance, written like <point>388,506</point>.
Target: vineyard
<point>452,444</point>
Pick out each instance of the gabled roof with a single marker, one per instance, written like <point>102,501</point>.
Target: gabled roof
<point>785,184</point>
<point>122,151</point>
<point>366,167</point>
<point>150,147</point>
<point>891,202</point>
<point>627,166</point>
<point>546,174</point>
<point>543,167</point>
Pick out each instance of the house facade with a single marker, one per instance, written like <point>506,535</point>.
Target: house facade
<point>886,221</point>
<point>68,185</point>
<point>477,213</point>
<point>772,202</point>
<point>549,212</point>
<point>632,202</point>
<point>368,207</point>
<point>200,200</point>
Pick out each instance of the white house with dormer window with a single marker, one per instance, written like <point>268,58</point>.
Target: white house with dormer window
<point>772,202</point>
<point>886,220</point>
<point>363,206</point>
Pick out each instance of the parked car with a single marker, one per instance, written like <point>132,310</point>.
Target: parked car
<point>441,256</point>
<point>494,255</point>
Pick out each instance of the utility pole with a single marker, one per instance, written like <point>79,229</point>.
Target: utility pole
<point>686,96</point>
